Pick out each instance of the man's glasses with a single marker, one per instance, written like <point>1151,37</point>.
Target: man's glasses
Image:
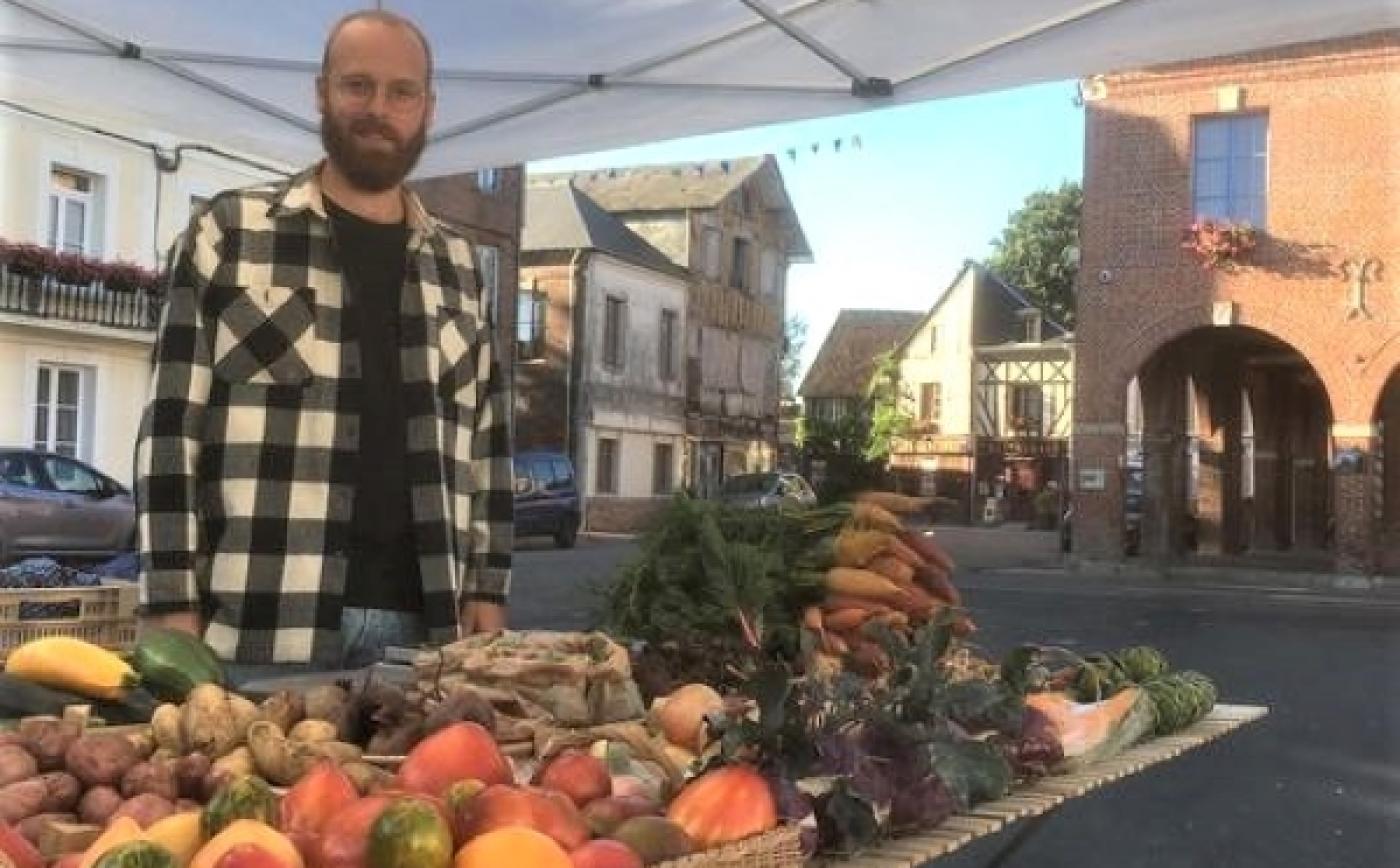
<point>400,97</point>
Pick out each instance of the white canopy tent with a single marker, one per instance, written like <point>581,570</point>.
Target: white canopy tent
<point>526,79</point>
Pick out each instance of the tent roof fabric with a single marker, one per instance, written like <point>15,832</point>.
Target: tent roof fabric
<point>530,79</point>
<point>846,361</point>
<point>560,217</point>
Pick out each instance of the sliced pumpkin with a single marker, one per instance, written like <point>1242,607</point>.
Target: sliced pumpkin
<point>1090,732</point>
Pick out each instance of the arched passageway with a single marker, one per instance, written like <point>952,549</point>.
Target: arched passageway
<point>1234,453</point>
<point>1388,474</point>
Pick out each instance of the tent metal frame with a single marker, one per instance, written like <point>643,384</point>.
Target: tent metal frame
<point>567,86</point>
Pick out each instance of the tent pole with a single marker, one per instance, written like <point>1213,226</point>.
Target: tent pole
<point>859,80</point>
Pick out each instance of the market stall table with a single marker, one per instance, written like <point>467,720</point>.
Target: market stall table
<point>1033,804</point>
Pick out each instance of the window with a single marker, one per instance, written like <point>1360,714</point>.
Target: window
<point>605,480</point>
<point>488,180</point>
<point>930,402</point>
<point>933,339</point>
<point>615,332</point>
<point>1030,326</point>
<point>70,210</point>
<point>739,265</point>
<point>16,470</point>
<point>563,475</point>
<point>59,410</point>
<point>69,477</point>
<point>667,350</point>
<point>768,272</point>
<point>530,309</point>
<point>489,261</point>
<point>1230,168</point>
<point>711,251</point>
<point>662,478</point>
<point>1027,410</point>
<point>197,204</point>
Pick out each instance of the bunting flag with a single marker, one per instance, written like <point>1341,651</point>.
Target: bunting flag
<point>848,143</point>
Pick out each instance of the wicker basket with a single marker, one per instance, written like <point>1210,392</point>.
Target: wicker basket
<point>104,615</point>
<point>780,848</point>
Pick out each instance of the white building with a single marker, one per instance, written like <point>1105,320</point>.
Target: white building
<point>75,361</point>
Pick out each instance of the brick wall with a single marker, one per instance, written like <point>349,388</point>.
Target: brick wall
<point>1333,196</point>
<point>542,399</point>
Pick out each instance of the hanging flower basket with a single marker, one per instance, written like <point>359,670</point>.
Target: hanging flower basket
<point>1219,243</point>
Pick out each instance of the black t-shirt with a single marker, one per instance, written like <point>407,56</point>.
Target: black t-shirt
<point>383,571</point>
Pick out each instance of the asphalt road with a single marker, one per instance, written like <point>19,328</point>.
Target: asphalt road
<point>1316,784</point>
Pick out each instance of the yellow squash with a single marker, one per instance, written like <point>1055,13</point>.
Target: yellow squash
<point>65,663</point>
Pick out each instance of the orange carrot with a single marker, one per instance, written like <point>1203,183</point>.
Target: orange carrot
<point>846,619</point>
<point>862,583</point>
<point>871,516</point>
<point>812,618</point>
<point>856,548</point>
<point>837,602</point>
<point>894,502</point>
<point>928,549</point>
<point>893,568</point>
<point>937,583</point>
<point>893,620</point>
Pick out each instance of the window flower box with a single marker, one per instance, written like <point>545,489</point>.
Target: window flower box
<point>1219,243</point>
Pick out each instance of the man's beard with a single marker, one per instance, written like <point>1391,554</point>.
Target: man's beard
<point>370,170</point>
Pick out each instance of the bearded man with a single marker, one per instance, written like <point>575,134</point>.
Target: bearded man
<point>324,465</point>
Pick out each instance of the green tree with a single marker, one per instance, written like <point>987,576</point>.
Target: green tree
<point>888,418</point>
<point>1038,250</point>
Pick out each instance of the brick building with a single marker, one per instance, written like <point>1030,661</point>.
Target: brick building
<point>486,206</point>
<point>1270,398</point>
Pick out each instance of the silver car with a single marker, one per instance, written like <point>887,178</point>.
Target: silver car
<point>54,505</point>
<point>767,490</point>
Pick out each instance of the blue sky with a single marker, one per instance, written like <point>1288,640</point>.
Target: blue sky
<point>890,223</point>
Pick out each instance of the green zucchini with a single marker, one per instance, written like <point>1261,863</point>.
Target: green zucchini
<point>172,663</point>
<point>20,697</point>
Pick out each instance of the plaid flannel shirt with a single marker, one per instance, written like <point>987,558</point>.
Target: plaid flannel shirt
<point>246,461</point>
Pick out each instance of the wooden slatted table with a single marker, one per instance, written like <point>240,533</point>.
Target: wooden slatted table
<point>1032,802</point>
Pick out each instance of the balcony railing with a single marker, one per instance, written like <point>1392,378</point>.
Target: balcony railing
<point>94,304</point>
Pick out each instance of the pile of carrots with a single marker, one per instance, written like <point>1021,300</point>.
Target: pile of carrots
<point>884,574</point>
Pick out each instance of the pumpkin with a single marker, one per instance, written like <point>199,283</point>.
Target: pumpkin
<point>410,833</point>
<point>1092,731</point>
<point>246,797</point>
<point>136,854</point>
<point>119,831</point>
<point>180,834</point>
<point>681,715</point>
<point>513,847</point>
<point>724,805</point>
<point>248,832</point>
<point>462,751</point>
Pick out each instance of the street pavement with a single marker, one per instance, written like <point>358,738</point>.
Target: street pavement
<point>1316,783</point>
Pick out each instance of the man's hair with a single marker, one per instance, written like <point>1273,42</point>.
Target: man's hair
<point>382,16</point>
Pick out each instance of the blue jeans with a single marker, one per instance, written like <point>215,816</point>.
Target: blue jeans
<point>364,634</point>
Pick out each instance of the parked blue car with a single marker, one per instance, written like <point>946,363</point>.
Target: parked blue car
<point>547,501</point>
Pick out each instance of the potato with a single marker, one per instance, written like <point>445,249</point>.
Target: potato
<point>325,702</point>
<point>190,771</point>
<point>154,778</point>
<point>101,758</point>
<point>22,799</point>
<point>367,778</point>
<point>98,804</point>
<point>207,722</point>
<point>49,739</point>
<point>272,754</point>
<point>145,809</point>
<point>144,741</point>
<point>163,755</point>
<point>32,827</point>
<point>16,764</point>
<point>165,726</point>
<point>283,708</point>
<point>313,730</point>
<point>244,713</point>
<point>63,792</point>
<point>235,763</point>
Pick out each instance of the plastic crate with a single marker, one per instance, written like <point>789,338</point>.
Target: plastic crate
<point>104,615</point>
